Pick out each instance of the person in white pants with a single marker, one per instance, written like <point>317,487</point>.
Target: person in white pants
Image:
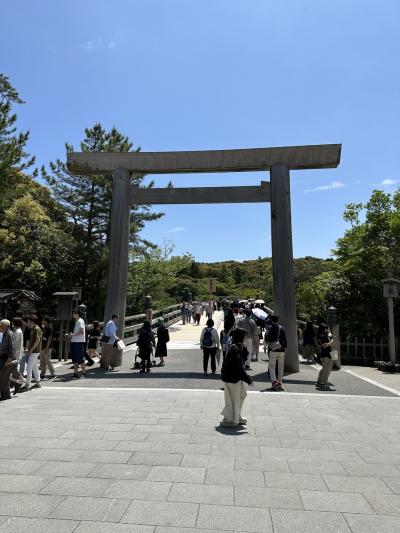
<point>277,344</point>
<point>33,352</point>
<point>234,378</point>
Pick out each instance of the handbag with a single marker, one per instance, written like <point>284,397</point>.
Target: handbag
<point>120,344</point>
<point>335,355</point>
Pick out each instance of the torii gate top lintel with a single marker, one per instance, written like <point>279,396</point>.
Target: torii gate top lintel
<point>241,160</point>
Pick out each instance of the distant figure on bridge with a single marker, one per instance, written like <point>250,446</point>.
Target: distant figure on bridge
<point>229,321</point>
<point>248,324</point>
<point>184,312</point>
<point>190,313</point>
<point>162,340</point>
<point>234,376</point>
<point>209,343</point>
<point>198,311</point>
<point>210,309</point>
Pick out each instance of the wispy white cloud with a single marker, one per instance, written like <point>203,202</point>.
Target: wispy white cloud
<point>329,186</point>
<point>386,183</point>
<point>89,46</point>
<point>97,44</point>
<point>357,182</point>
<point>177,229</point>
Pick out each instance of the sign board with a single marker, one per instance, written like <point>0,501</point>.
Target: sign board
<point>26,306</point>
<point>212,285</point>
<point>391,288</point>
<point>78,291</point>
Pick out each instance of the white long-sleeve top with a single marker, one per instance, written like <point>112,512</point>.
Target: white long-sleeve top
<point>215,338</point>
<point>19,343</point>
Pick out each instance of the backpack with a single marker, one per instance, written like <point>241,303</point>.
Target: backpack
<point>275,345</point>
<point>226,341</point>
<point>208,338</point>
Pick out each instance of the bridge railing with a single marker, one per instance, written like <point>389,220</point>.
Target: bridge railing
<point>134,323</point>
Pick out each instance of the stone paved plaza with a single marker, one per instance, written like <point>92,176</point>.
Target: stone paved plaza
<point>134,460</point>
<point>127,452</point>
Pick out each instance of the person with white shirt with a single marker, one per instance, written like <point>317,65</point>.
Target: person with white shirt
<point>78,344</point>
<point>111,329</point>
<point>19,340</point>
<point>209,343</point>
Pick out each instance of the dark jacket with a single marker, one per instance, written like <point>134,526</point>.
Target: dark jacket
<point>325,351</point>
<point>7,348</point>
<point>233,367</point>
<point>162,339</point>
<point>272,335</point>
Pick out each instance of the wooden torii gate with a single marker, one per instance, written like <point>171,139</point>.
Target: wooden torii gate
<point>278,161</point>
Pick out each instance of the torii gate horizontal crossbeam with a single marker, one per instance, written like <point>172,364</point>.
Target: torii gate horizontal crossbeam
<point>201,195</point>
<point>248,159</point>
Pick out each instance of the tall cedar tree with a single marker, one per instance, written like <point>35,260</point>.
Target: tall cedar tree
<point>13,157</point>
<point>87,201</point>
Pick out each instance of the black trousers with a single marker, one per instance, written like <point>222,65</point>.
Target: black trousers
<point>145,360</point>
<point>5,373</point>
<point>207,353</point>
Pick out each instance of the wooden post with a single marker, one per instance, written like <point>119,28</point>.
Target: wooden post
<point>282,261</point>
<point>119,249</point>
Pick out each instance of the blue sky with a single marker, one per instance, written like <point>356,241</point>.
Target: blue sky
<point>210,74</point>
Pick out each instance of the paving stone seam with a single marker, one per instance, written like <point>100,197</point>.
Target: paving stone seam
<point>207,391</point>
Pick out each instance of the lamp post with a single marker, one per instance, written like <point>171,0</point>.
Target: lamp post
<point>334,327</point>
<point>390,291</point>
<point>148,308</point>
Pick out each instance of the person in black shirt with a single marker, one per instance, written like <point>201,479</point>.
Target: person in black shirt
<point>234,375</point>
<point>325,341</point>
<point>94,336</point>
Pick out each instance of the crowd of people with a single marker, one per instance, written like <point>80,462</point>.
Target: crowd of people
<point>261,325</point>
<point>26,345</point>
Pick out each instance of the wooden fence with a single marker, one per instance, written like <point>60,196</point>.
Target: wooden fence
<point>171,315</point>
<point>363,351</point>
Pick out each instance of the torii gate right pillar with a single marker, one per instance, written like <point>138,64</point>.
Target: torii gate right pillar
<point>282,261</point>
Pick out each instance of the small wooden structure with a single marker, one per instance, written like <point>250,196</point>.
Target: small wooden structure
<point>17,301</point>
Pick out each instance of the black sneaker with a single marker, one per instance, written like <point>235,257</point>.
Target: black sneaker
<point>324,388</point>
<point>75,376</point>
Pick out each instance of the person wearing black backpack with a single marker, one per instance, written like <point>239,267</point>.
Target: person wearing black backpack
<point>209,343</point>
<point>146,341</point>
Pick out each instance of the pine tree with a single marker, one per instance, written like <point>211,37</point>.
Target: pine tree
<point>13,157</point>
<point>87,201</point>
